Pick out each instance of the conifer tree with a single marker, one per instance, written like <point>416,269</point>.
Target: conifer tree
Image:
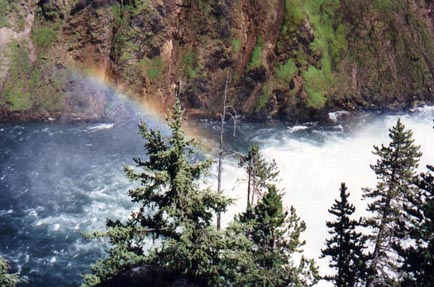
<point>6,279</point>
<point>346,245</point>
<point>260,173</point>
<point>173,209</point>
<point>395,170</point>
<point>274,235</point>
<point>416,244</point>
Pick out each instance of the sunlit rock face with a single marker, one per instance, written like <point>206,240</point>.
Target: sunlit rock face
<point>294,60</point>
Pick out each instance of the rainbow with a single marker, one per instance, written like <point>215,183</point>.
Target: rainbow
<point>149,108</point>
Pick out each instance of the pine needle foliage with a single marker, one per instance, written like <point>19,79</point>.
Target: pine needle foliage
<point>271,235</point>
<point>395,170</point>
<point>174,210</point>
<point>6,279</point>
<point>275,241</point>
<point>345,247</point>
<point>260,173</point>
<point>416,247</point>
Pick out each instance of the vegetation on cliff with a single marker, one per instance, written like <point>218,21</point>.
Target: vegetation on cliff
<point>290,59</point>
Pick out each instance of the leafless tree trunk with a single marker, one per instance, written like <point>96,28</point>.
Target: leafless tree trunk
<point>219,175</point>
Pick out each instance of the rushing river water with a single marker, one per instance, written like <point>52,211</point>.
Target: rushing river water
<point>59,179</point>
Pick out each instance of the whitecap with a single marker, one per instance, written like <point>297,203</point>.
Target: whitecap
<point>297,128</point>
<point>335,116</point>
<point>101,127</point>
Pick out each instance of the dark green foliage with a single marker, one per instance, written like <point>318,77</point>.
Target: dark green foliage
<point>260,174</point>
<point>417,231</point>
<point>173,209</point>
<point>273,234</point>
<point>7,280</point>
<point>395,170</point>
<point>274,239</point>
<point>345,247</point>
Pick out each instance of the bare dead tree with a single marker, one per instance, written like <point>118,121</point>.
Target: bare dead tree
<point>221,142</point>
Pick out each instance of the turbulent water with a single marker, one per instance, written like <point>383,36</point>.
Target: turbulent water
<point>59,179</point>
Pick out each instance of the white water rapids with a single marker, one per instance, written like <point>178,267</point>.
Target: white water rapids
<point>312,168</point>
<point>57,179</point>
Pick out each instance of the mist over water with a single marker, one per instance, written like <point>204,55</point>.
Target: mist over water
<point>58,179</point>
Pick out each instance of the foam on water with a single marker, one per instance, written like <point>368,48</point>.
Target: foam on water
<point>101,127</point>
<point>61,179</point>
<point>312,168</point>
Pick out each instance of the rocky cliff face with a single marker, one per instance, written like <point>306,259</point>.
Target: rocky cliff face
<point>288,59</point>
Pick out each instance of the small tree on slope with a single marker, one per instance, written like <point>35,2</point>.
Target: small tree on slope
<point>173,208</point>
<point>395,170</point>
<point>346,245</point>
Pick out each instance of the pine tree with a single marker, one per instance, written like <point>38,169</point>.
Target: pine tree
<point>346,245</point>
<point>416,244</point>
<point>173,209</point>
<point>273,234</point>
<point>395,171</point>
<point>275,240</point>
<point>260,173</point>
<point>6,279</point>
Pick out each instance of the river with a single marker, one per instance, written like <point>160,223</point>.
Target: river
<point>57,180</point>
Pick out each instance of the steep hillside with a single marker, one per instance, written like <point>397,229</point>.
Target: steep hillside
<point>288,59</point>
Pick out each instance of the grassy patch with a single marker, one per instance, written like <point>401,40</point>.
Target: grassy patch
<point>256,56</point>
<point>285,72</point>
<point>315,85</point>
<point>235,45</point>
<point>264,98</point>
<point>383,5</point>
<point>294,16</point>
<point>155,68</point>
<point>44,37</point>
<point>4,11</point>
<point>16,91</point>
<point>191,68</point>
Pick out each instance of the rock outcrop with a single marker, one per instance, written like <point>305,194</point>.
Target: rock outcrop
<point>287,59</point>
